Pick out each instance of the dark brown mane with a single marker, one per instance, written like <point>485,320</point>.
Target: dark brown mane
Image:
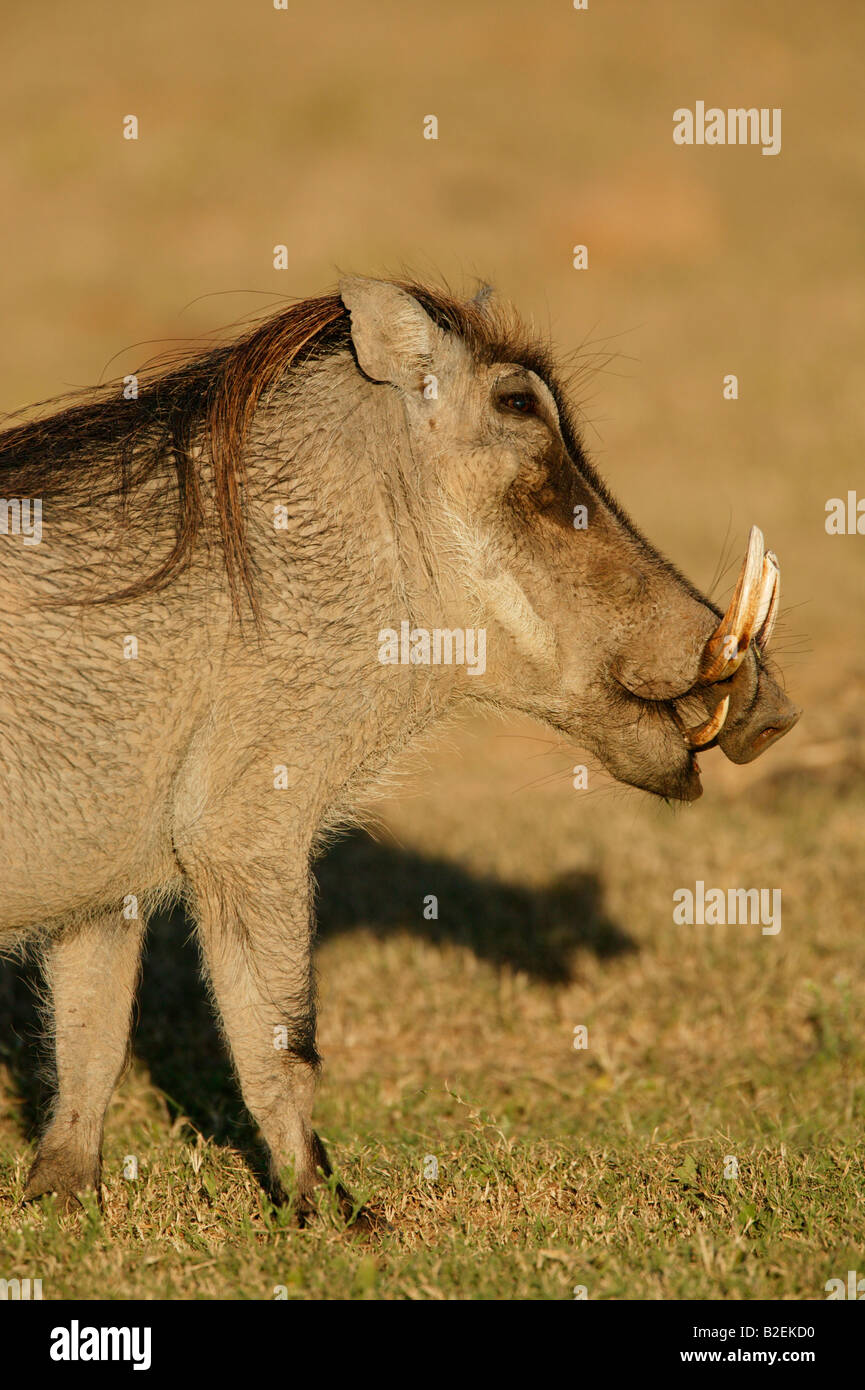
<point>106,446</point>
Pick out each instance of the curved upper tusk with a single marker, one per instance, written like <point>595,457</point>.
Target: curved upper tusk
<point>704,733</point>
<point>766,620</point>
<point>725,650</point>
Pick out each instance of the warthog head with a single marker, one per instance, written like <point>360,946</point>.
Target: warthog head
<point>590,629</point>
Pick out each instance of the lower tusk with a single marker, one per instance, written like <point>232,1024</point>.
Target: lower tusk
<point>704,733</point>
<point>766,623</point>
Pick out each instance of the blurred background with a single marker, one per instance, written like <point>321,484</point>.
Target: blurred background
<point>304,127</point>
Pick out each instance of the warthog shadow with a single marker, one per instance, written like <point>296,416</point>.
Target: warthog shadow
<point>363,885</point>
<point>382,888</point>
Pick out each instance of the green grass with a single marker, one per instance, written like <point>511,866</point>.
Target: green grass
<point>509,1217</point>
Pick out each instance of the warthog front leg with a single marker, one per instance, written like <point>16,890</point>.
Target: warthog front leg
<point>257,951</point>
<point>92,973</point>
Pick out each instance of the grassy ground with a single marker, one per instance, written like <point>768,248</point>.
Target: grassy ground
<point>602,1167</point>
<point>557,1168</point>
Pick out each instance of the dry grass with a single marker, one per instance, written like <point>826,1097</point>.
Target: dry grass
<point>453,1038</point>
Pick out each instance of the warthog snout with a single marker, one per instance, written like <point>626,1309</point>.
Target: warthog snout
<point>751,710</point>
<point>754,712</point>
<point>768,718</point>
<point>718,668</point>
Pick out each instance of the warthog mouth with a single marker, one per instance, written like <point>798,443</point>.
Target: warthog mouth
<point>665,761</point>
<point>666,764</point>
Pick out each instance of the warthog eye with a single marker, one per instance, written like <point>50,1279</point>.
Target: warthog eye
<point>520,402</point>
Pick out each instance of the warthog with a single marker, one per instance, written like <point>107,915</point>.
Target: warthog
<point>193,693</point>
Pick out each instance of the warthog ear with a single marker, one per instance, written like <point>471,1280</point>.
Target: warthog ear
<point>392,335</point>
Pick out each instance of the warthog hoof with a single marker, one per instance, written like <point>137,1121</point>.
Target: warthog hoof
<point>359,1221</point>
<point>59,1173</point>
